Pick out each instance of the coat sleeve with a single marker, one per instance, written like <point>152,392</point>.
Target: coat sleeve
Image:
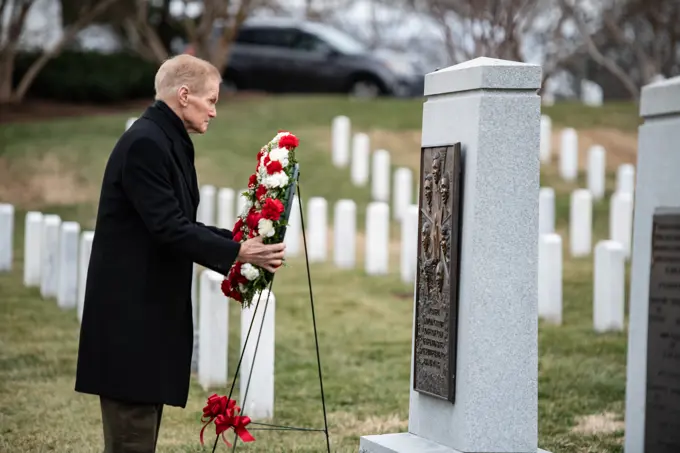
<point>219,231</point>
<point>146,180</point>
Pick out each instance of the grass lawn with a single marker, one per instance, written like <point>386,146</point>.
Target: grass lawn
<point>364,322</point>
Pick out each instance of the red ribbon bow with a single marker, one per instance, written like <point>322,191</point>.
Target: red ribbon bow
<point>224,412</point>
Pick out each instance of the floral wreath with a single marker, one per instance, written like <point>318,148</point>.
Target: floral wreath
<point>262,215</point>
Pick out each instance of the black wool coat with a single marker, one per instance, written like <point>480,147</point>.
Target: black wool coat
<point>136,336</point>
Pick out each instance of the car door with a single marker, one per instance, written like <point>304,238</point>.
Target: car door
<point>260,57</point>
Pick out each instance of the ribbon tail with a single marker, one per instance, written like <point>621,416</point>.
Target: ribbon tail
<point>244,434</point>
<point>203,429</point>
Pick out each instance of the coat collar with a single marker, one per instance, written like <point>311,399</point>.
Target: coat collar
<point>182,146</point>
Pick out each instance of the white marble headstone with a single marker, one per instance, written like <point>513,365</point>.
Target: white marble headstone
<point>569,154</point>
<point>580,223</point>
<point>293,239</point>
<point>403,191</point>
<point>206,207</point>
<point>6,236</point>
<point>409,244</point>
<point>225,208</point>
<point>546,210</point>
<point>258,403</point>
<point>49,274</point>
<point>609,287</point>
<point>213,326</point>
<point>377,238</point>
<point>67,292</point>
<point>84,252</point>
<point>340,141</point>
<point>344,234</point>
<point>550,278</point>
<point>360,159</point>
<point>596,171</point>
<point>380,175</point>
<point>33,237</point>
<point>317,229</point>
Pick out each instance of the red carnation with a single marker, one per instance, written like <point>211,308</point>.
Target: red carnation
<point>272,209</point>
<point>252,181</point>
<point>234,294</point>
<point>226,287</point>
<point>274,166</point>
<point>252,233</point>
<point>238,225</point>
<point>238,236</point>
<point>260,192</point>
<point>253,219</point>
<point>289,141</point>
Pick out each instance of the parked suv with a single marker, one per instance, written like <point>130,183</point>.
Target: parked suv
<point>282,55</point>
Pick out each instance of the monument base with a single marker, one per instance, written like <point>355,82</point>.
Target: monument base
<point>405,443</point>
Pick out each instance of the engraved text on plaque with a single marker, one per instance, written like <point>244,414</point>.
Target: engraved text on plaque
<point>662,412</point>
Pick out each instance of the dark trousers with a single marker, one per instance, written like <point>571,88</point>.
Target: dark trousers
<point>130,427</point>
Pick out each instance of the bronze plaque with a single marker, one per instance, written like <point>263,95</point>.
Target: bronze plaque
<point>662,413</point>
<point>437,273</point>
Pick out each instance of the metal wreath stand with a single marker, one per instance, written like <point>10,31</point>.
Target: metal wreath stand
<point>267,426</point>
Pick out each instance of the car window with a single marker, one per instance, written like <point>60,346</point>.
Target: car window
<point>310,43</point>
<point>274,37</point>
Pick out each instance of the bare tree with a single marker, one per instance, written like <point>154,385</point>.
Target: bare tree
<point>210,34</point>
<point>17,11</point>
<point>635,40</point>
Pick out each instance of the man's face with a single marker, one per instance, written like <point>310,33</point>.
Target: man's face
<point>200,108</point>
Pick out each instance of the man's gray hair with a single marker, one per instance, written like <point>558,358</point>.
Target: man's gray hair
<point>184,69</point>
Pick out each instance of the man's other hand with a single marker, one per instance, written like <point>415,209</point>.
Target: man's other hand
<point>266,256</point>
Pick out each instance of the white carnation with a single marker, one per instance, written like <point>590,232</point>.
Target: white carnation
<point>249,271</point>
<point>279,154</point>
<point>265,228</point>
<point>247,204</point>
<point>278,179</point>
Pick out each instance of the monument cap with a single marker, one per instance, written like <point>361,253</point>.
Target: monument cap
<point>484,73</point>
<point>660,98</point>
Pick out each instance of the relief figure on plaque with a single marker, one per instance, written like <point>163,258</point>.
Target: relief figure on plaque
<point>444,188</point>
<point>426,239</point>
<point>436,166</point>
<point>427,188</point>
<point>445,242</point>
<point>439,277</point>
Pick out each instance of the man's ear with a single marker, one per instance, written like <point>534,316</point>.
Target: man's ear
<point>183,95</point>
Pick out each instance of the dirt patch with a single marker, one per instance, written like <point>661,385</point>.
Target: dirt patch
<point>48,181</point>
<point>605,423</point>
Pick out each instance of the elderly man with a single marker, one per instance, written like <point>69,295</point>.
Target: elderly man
<point>136,337</point>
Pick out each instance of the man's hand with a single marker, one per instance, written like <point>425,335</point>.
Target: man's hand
<point>267,256</point>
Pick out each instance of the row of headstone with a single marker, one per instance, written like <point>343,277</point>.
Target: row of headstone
<point>581,219</point>
<point>213,325</point>
<point>355,151</point>
<point>56,257</point>
<point>344,241</point>
<point>376,240</point>
<point>596,161</point>
<point>608,283</point>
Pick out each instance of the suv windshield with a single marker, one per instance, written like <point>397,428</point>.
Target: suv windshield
<point>340,41</point>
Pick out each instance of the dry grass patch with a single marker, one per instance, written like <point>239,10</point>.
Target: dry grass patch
<point>605,423</point>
